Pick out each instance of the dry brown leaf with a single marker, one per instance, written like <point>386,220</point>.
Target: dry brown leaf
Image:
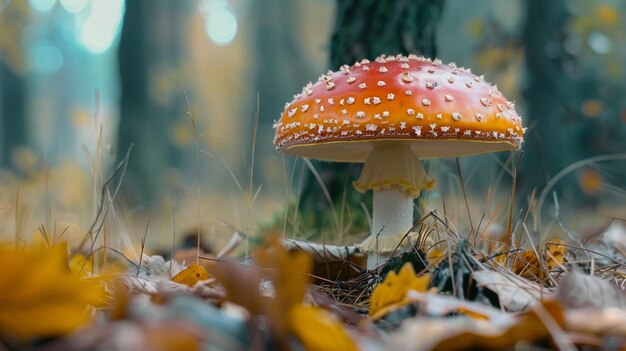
<point>604,322</point>
<point>498,333</point>
<point>392,292</point>
<point>577,290</point>
<point>553,254</point>
<point>515,293</point>
<point>289,273</point>
<point>39,294</point>
<point>437,305</point>
<point>191,275</point>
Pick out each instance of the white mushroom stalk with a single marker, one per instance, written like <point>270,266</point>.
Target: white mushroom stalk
<point>397,177</point>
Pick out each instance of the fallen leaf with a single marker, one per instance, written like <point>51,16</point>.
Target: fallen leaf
<point>289,272</point>
<point>39,294</point>
<point>578,290</point>
<point>391,293</point>
<point>191,275</point>
<point>317,329</point>
<point>555,253</point>
<point>604,322</point>
<point>515,293</point>
<point>501,331</point>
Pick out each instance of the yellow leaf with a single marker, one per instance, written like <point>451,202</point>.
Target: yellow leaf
<point>80,265</point>
<point>555,253</point>
<point>40,296</point>
<point>191,275</point>
<point>317,329</point>
<point>289,269</point>
<point>391,293</point>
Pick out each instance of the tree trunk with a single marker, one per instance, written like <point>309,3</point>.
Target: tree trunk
<point>12,113</point>
<point>150,45</point>
<point>367,29</point>
<point>554,126</point>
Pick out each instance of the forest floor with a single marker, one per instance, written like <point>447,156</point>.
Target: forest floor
<point>505,286</point>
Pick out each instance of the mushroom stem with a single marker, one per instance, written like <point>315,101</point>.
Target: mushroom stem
<point>392,217</point>
<point>396,176</point>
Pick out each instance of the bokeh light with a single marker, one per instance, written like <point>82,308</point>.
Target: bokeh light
<point>46,58</point>
<point>73,6</point>
<point>42,5</point>
<point>600,43</point>
<point>102,25</point>
<point>221,26</point>
<point>220,21</point>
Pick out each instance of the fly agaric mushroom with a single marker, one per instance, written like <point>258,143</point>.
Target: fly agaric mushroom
<point>389,114</point>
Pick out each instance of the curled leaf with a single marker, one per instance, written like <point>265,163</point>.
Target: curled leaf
<point>391,293</point>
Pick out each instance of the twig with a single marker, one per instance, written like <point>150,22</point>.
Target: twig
<point>143,244</point>
<point>469,215</point>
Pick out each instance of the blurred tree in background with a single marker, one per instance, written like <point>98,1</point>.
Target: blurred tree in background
<point>367,29</point>
<point>151,47</point>
<point>13,88</point>
<point>573,95</point>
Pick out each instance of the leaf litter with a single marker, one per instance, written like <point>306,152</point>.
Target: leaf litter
<point>296,295</point>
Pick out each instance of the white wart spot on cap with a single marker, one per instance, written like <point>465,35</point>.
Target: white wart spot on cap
<point>390,96</point>
<point>385,113</point>
<point>376,100</point>
<point>362,86</point>
<point>479,116</point>
<point>383,69</point>
<point>420,116</point>
<point>485,101</point>
<point>406,77</point>
<point>350,100</point>
<point>408,92</point>
<point>456,116</point>
<point>381,83</point>
<point>360,114</point>
<point>292,112</point>
<point>449,98</point>
<point>426,102</point>
<point>304,107</point>
<point>410,111</point>
<point>329,85</point>
<point>351,80</point>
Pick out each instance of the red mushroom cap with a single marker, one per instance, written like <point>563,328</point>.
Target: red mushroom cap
<point>439,110</point>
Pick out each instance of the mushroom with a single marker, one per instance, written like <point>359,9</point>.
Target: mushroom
<point>391,113</point>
